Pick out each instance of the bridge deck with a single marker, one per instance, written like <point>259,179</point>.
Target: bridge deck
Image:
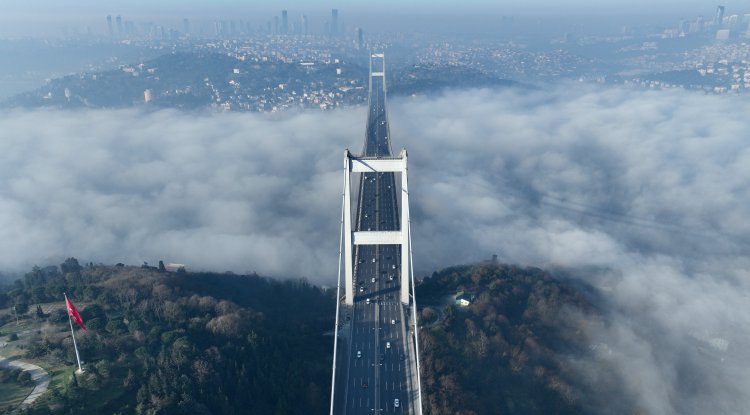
<point>375,362</point>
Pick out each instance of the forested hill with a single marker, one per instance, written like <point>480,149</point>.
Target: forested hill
<point>522,345</point>
<point>207,343</point>
<point>177,343</point>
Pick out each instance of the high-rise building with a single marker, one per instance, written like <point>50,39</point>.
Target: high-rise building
<point>118,19</point>
<point>334,21</point>
<point>733,21</point>
<point>130,29</point>
<point>304,25</point>
<point>684,27</point>
<point>719,15</point>
<point>699,23</point>
<point>109,26</point>
<point>360,38</point>
<point>276,25</point>
<point>186,26</point>
<point>284,23</point>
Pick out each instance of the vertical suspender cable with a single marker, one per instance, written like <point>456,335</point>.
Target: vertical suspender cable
<point>416,328</point>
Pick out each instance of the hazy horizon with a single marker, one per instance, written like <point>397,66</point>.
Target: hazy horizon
<point>47,18</point>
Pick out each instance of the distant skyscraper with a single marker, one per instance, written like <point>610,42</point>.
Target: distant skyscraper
<point>699,24</point>
<point>719,15</point>
<point>119,26</point>
<point>683,27</point>
<point>360,38</point>
<point>304,25</point>
<point>334,21</point>
<point>186,26</point>
<point>284,23</point>
<point>109,26</point>
<point>276,25</point>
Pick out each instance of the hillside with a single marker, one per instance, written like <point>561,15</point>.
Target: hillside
<point>194,81</point>
<point>176,342</point>
<point>518,348</point>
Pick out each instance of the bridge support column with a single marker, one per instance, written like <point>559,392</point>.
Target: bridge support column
<point>348,260</point>
<point>405,229</point>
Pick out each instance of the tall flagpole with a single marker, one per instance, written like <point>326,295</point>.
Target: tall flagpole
<point>75,346</point>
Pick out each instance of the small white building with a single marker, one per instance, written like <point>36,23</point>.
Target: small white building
<point>171,267</point>
<point>464,299</point>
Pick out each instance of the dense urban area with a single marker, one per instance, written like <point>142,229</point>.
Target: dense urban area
<point>284,63</point>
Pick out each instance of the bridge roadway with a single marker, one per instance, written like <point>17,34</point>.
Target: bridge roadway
<point>370,374</point>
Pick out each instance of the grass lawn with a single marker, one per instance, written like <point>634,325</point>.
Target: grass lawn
<point>12,394</point>
<point>59,372</point>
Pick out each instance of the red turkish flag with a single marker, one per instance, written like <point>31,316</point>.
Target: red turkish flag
<point>73,313</point>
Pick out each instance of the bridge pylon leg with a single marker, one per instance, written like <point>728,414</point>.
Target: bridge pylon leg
<point>348,234</point>
<point>405,241</point>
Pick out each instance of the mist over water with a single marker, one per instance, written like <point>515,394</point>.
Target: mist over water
<point>642,195</point>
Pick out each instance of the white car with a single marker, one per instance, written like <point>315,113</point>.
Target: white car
<point>361,289</point>
<point>373,279</point>
<point>393,321</point>
<point>368,301</point>
<point>395,403</point>
<point>359,353</point>
<point>387,345</point>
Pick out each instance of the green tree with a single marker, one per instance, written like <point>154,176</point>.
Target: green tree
<point>24,378</point>
<point>70,266</point>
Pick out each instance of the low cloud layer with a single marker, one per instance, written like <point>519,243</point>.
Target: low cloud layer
<point>643,194</point>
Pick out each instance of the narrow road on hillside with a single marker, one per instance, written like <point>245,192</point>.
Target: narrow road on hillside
<point>39,376</point>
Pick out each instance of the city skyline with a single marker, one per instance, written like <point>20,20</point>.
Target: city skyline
<point>18,17</point>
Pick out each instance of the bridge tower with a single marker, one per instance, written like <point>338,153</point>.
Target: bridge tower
<point>402,237</point>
